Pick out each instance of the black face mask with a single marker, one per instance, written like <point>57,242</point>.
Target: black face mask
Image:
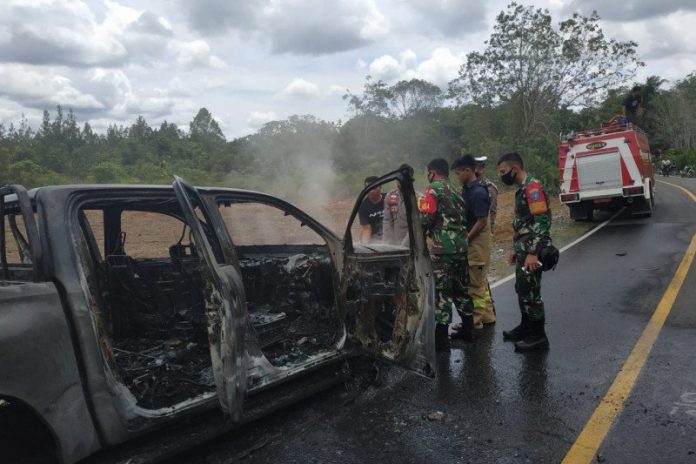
<point>508,178</point>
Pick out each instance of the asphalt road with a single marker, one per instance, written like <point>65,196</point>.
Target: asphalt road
<point>505,407</point>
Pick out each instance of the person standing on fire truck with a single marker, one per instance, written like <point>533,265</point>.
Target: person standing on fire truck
<point>633,105</point>
<point>532,225</point>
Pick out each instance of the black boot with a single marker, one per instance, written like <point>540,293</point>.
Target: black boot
<point>519,332</point>
<point>535,340</point>
<point>441,339</point>
<point>466,333</point>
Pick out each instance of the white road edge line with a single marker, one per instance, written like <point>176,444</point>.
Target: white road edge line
<point>508,278</point>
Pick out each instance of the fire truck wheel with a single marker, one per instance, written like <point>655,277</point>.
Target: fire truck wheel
<point>652,198</point>
<point>582,212</point>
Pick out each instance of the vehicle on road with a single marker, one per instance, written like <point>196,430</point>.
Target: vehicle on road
<point>606,168</point>
<point>127,311</point>
<point>667,168</point>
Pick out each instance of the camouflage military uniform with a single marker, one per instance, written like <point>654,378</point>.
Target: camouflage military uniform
<point>493,194</point>
<point>442,216</point>
<point>532,225</point>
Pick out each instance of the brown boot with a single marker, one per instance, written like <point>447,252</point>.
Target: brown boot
<point>478,318</point>
<point>488,316</point>
<point>483,317</point>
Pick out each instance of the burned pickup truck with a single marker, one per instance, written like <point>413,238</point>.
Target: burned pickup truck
<point>129,313</point>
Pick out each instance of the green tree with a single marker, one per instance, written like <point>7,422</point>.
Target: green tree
<point>536,67</point>
<point>30,174</point>
<point>375,99</point>
<point>673,115</point>
<point>413,96</point>
<point>204,127</point>
<point>140,131</point>
<point>106,172</point>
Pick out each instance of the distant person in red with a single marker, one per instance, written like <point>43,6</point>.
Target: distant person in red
<point>371,213</point>
<point>633,105</point>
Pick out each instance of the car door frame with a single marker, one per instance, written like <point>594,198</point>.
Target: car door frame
<point>417,351</point>
<point>225,304</point>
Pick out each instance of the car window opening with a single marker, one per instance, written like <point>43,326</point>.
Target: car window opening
<point>151,305</point>
<point>288,281</point>
<point>15,253</point>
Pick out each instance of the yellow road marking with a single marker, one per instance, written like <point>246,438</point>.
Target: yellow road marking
<point>596,429</point>
<point>685,190</point>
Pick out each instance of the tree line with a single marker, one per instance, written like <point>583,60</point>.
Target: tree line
<point>534,80</point>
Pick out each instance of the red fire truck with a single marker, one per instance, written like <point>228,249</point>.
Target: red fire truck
<point>606,168</point>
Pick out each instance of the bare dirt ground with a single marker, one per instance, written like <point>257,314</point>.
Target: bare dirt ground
<point>149,235</point>
<point>563,230</point>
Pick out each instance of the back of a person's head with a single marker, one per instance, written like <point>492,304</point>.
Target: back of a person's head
<point>636,88</point>
<point>440,166</point>
<point>513,158</point>
<point>466,161</point>
<point>408,168</point>
<point>370,179</point>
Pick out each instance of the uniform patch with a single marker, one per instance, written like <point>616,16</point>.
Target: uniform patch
<point>536,198</point>
<point>429,204</point>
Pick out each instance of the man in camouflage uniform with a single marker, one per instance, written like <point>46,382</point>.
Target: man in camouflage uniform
<point>532,226</point>
<point>442,216</point>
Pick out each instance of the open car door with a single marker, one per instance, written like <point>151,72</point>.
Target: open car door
<point>388,291</point>
<point>223,291</point>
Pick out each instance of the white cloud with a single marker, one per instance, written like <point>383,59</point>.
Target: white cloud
<point>408,58</point>
<point>196,54</point>
<point>386,68</point>
<point>303,27</point>
<point>299,89</point>
<point>630,10</point>
<point>257,119</point>
<point>34,89</point>
<point>337,90</point>
<point>68,32</point>
<point>441,67</point>
<point>658,38</point>
<point>120,58</point>
<point>441,18</point>
<point>124,101</point>
<point>376,25</point>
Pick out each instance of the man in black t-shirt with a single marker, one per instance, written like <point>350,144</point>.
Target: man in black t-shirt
<point>633,105</point>
<point>371,213</point>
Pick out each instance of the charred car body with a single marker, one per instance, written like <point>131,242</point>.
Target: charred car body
<point>101,345</point>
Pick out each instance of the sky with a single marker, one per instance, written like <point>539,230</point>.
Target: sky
<point>250,62</point>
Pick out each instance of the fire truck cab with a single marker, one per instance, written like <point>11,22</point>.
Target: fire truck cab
<point>606,168</point>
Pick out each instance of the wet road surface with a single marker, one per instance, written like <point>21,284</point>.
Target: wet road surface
<point>505,407</point>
